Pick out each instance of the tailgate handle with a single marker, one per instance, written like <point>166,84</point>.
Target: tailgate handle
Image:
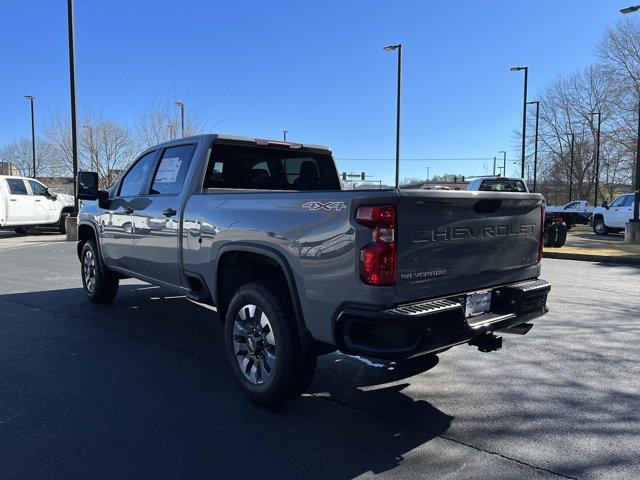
<point>487,206</point>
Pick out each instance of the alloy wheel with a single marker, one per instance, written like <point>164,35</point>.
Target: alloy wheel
<point>254,344</point>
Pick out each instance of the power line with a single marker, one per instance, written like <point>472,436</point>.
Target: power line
<point>469,159</point>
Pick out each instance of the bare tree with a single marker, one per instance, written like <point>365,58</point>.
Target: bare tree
<point>20,154</point>
<point>160,120</point>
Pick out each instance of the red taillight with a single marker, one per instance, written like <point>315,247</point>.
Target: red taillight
<point>378,258</point>
<point>540,248</point>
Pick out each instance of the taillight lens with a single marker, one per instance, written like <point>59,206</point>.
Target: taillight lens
<point>378,258</point>
<point>540,249</point>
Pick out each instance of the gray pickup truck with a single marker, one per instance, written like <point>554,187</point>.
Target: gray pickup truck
<point>297,267</point>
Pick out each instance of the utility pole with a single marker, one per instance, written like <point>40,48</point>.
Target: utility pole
<point>72,91</point>
<point>31,98</point>
<point>181,107</point>
<point>597,165</point>
<point>573,139</point>
<point>284,134</point>
<point>391,48</point>
<point>524,113</point>
<point>494,165</point>
<point>428,168</point>
<point>504,162</point>
<point>535,155</point>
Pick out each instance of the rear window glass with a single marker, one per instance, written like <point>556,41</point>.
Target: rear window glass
<point>17,186</point>
<point>270,168</point>
<point>502,185</point>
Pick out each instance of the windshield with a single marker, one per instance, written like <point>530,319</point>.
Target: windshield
<point>503,185</point>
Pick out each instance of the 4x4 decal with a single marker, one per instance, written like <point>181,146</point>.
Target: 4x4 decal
<point>327,206</point>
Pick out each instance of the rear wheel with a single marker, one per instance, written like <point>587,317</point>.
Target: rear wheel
<point>100,285</point>
<point>599,227</point>
<point>62,227</point>
<point>561,237</point>
<point>550,235</point>
<point>263,345</point>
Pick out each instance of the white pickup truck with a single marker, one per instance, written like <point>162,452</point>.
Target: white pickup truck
<point>613,217</point>
<point>26,203</point>
<point>577,211</point>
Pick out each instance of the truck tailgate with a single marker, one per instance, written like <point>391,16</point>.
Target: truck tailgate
<point>458,241</point>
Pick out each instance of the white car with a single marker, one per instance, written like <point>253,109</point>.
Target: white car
<point>26,203</point>
<point>613,217</point>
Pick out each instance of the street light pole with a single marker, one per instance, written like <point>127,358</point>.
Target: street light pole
<point>494,165</point>
<point>535,154</point>
<point>31,98</point>
<point>181,107</point>
<point>390,48</point>
<point>284,134</point>
<point>597,166</point>
<point>504,162</point>
<point>633,229</point>
<point>72,91</point>
<point>524,114</point>
<point>573,140</point>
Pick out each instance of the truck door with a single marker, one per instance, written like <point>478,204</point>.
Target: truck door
<point>116,223</point>
<point>45,209</point>
<point>21,207</point>
<point>156,244</point>
<point>616,216</point>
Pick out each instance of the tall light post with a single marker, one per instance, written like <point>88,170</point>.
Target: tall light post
<point>284,135</point>
<point>504,162</point>
<point>72,92</point>
<point>180,105</point>
<point>524,113</point>
<point>31,98</point>
<point>535,154</point>
<point>390,48</point>
<point>573,141</point>
<point>597,166</point>
<point>494,165</point>
<point>635,237</point>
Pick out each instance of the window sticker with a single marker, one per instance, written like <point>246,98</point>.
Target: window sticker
<point>168,170</point>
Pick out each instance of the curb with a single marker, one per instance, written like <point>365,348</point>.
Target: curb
<point>585,257</point>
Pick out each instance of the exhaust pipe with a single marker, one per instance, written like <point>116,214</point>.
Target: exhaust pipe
<point>487,342</point>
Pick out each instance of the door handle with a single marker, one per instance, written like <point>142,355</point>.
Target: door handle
<point>169,212</point>
<point>38,200</point>
<point>127,211</point>
<point>13,200</point>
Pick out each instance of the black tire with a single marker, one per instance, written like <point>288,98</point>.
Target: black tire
<point>561,237</point>
<point>293,364</point>
<point>20,230</point>
<point>100,285</point>
<point>550,235</point>
<point>62,224</point>
<point>599,227</point>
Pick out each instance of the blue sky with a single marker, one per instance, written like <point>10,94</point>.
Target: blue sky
<point>314,68</point>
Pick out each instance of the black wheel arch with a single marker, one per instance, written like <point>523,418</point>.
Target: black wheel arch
<point>273,255</point>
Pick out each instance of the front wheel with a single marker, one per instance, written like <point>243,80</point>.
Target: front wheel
<point>100,285</point>
<point>600,228</point>
<point>263,345</point>
<point>62,223</point>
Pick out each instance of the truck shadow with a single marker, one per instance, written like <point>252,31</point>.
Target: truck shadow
<point>149,373</point>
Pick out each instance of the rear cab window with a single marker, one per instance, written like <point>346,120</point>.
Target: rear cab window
<point>502,185</point>
<point>17,186</point>
<point>37,188</point>
<point>237,166</point>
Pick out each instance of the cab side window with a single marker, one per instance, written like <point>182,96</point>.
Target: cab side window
<point>618,202</point>
<point>172,170</point>
<point>37,188</point>
<point>628,200</point>
<point>17,186</point>
<point>135,179</point>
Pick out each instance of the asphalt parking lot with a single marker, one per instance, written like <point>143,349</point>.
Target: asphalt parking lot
<point>140,389</point>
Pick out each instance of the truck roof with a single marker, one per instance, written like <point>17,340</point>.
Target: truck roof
<point>212,137</point>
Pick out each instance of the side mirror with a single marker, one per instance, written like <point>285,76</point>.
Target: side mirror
<point>49,194</point>
<point>88,188</point>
